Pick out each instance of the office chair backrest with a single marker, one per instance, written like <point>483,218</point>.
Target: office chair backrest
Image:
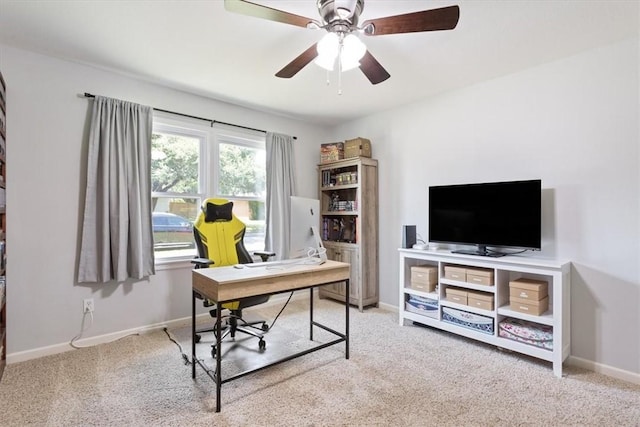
<point>219,234</point>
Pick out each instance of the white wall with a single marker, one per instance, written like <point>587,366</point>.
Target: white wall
<point>574,124</point>
<point>46,151</point>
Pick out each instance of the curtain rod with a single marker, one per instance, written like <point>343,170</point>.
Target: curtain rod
<point>213,121</point>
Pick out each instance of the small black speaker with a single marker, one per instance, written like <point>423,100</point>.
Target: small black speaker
<point>408,236</point>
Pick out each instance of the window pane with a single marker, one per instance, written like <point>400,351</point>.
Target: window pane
<point>242,171</point>
<point>252,214</point>
<point>173,226</point>
<point>174,163</point>
<point>175,186</point>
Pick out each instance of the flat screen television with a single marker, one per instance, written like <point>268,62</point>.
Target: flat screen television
<point>487,215</point>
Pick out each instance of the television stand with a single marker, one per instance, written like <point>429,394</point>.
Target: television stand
<point>478,321</point>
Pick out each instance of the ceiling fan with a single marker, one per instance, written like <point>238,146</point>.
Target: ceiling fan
<point>340,45</point>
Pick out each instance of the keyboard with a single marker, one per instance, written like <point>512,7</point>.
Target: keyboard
<point>285,262</point>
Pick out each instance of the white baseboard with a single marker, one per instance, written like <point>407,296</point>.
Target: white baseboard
<point>388,307</point>
<point>604,369</point>
<point>23,356</point>
<point>92,341</point>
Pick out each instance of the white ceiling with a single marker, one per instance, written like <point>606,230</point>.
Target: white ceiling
<point>199,47</point>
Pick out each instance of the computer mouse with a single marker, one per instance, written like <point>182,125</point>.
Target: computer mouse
<point>238,266</point>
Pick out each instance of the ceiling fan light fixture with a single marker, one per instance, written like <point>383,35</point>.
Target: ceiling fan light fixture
<point>325,62</point>
<point>346,65</point>
<point>328,48</point>
<point>352,52</point>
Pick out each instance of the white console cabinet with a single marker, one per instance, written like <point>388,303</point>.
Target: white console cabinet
<point>505,269</point>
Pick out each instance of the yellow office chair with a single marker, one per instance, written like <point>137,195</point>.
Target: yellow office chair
<point>219,238</point>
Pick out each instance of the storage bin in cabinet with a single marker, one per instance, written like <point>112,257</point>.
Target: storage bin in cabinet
<point>468,320</point>
<point>483,300</point>
<point>527,332</point>
<point>530,289</point>
<point>456,295</point>
<point>455,273</point>
<point>480,276</point>
<point>420,305</point>
<point>424,278</point>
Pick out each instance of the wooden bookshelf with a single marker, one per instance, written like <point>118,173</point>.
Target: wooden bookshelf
<point>348,192</point>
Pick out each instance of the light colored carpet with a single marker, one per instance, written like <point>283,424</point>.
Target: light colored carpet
<point>406,376</point>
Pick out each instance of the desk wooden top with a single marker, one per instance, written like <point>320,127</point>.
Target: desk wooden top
<point>229,283</point>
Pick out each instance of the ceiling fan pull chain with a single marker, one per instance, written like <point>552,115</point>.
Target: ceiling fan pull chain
<point>340,65</point>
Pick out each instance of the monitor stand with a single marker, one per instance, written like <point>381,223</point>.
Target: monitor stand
<point>322,251</point>
<point>480,251</point>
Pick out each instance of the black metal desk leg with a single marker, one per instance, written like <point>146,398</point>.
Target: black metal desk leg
<point>311,314</point>
<point>218,356</point>
<point>346,317</point>
<point>193,335</point>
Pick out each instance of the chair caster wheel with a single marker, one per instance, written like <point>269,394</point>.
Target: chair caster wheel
<point>265,327</point>
<point>262,345</point>
<point>197,339</point>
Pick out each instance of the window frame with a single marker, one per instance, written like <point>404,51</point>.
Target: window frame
<point>223,134</point>
<point>211,137</point>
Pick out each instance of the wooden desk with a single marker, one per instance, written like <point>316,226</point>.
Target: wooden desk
<point>225,284</point>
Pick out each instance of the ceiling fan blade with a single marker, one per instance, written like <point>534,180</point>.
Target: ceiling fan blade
<point>445,18</point>
<point>292,68</point>
<point>372,69</point>
<point>264,12</point>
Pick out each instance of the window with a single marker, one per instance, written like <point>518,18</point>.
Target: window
<point>191,162</point>
<point>240,176</point>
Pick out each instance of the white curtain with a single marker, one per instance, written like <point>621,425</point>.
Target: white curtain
<point>117,238</point>
<point>280,187</point>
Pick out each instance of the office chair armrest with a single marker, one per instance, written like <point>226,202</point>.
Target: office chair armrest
<point>202,262</point>
<point>265,255</point>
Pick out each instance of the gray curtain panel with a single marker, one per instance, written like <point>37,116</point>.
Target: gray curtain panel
<point>117,238</point>
<point>280,188</point>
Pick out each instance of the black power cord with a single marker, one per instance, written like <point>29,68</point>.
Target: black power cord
<point>281,310</point>
<point>184,356</point>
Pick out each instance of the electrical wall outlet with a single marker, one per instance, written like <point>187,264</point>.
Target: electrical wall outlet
<point>88,305</point>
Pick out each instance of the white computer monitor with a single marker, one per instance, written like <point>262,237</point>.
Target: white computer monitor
<point>304,237</point>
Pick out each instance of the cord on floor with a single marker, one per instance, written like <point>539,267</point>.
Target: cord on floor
<point>281,310</point>
<point>184,356</point>
<point>83,330</point>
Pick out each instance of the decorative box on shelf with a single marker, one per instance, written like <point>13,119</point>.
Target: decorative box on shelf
<point>424,278</point>
<point>357,147</point>
<point>529,296</point>
<point>331,152</point>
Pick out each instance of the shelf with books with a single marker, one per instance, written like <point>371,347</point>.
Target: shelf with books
<point>348,192</point>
